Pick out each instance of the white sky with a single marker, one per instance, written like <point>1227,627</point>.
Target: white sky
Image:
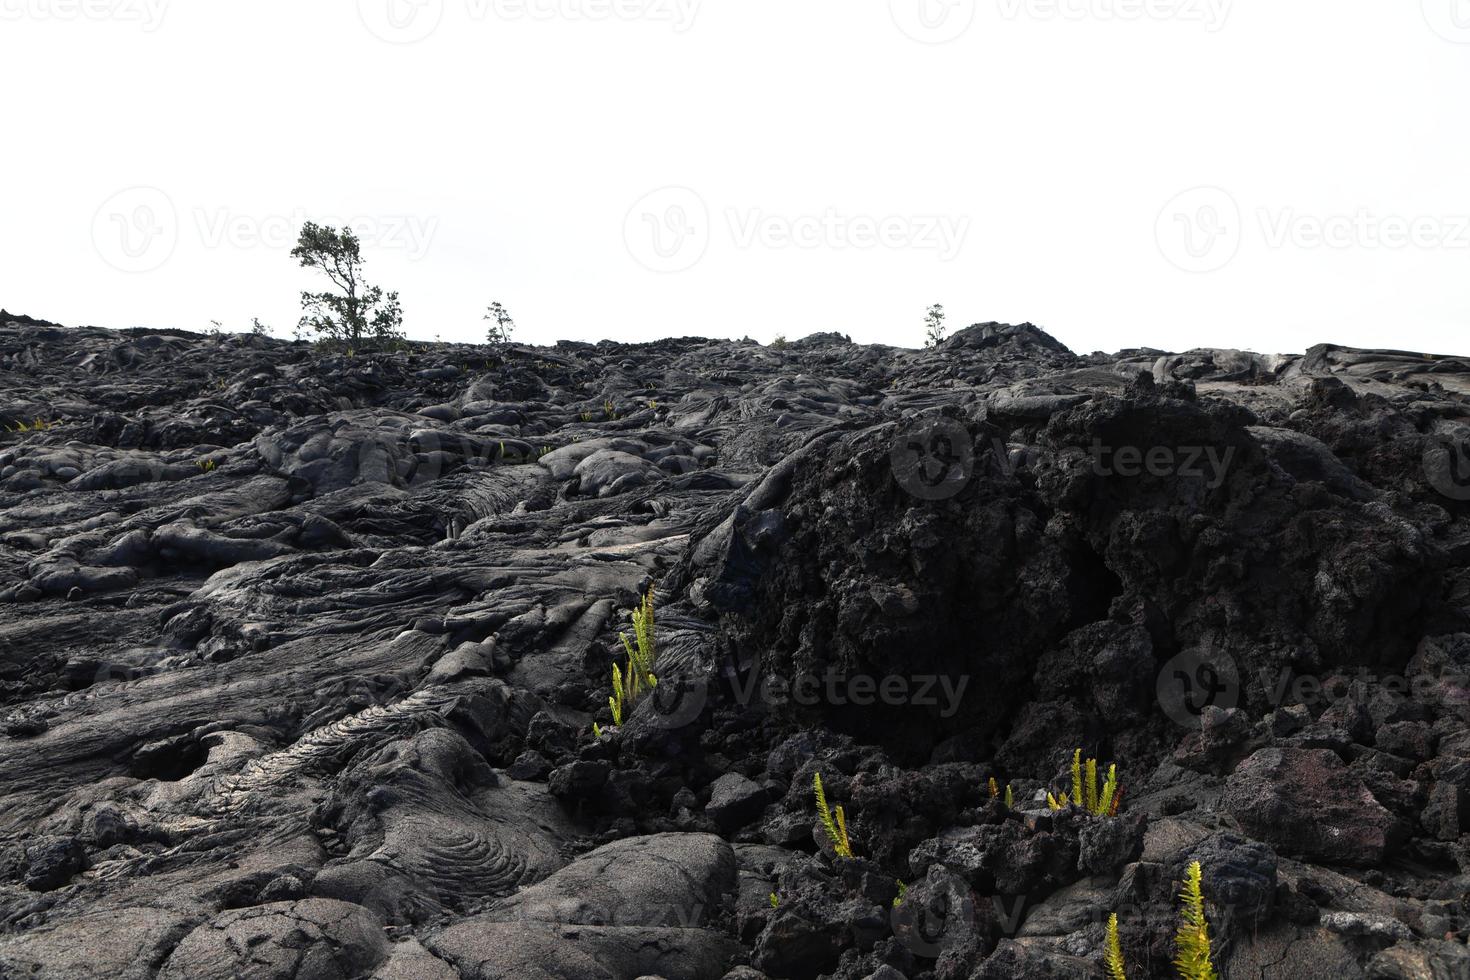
<point>833,165</point>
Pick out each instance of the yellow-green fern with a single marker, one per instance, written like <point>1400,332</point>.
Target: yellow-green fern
<point>1100,801</point>
<point>1113,953</point>
<point>628,686</point>
<point>995,792</point>
<point>834,822</point>
<point>1192,941</point>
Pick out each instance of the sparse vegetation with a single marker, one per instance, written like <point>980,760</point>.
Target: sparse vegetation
<point>902,891</point>
<point>995,792</point>
<point>775,901</point>
<point>629,686</point>
<point>37,425</point>
<point>1191,941</point>
<point>834,822</point>
<point>205,465</point>
<point>780,342</point>
<point>1100,801</point>
<point>357,313</point>
<point>934,328</point>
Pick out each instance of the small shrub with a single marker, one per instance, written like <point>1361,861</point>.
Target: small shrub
<point>934,328</point>
<point>501,327</point>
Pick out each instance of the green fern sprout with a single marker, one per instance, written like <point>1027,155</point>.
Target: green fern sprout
<point>628,686</point>
<point>586,416</point>
<point>596,730</point>
<point>205,465</point>
<point>834,822</point>
<point>1100,801</point>
<point>1113,954</point>
<point>609,409</point>
<point>1192,941</point>
<point>775,901</point>
<point>995,793</point>
<point>642,649</point>
<point>902,891</point>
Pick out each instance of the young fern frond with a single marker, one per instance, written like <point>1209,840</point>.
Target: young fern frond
<point>1192,941</point>
<point>836,829</point>
<point>1113,952</point>
<point>1100,801</point>
<point>1010,800</point>
<point>1109,791</point>
<point>994,788</point>
<point>616,701</point>
<point>902,891</point>
<point>629,686</point>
